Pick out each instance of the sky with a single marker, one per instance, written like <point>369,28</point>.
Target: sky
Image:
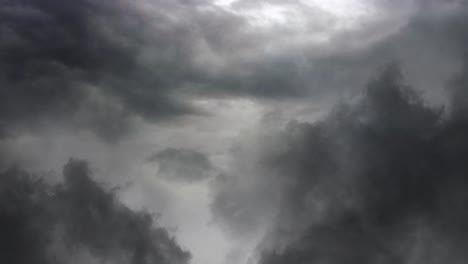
<point>233,131</point>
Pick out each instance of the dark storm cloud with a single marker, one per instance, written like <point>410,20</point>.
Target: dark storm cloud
<point>97,64</point>
<point>56,58</point>
<point>383,180</point>
<point>78,219</point>
<point>185,165</point>
<point>362,178</point>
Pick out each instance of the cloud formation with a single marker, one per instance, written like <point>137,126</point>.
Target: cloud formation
<point>185,165</point>
<point>76,221</point>
<point>100,65</point>
<point>82,62</point>
<point>378,181</point>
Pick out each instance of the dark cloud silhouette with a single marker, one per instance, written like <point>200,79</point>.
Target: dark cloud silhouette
<point>382,171</point>
<point>76,219</point>
<point>382,180</point>
<point>185,165</point>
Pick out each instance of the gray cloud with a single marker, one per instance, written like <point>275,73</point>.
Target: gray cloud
<point>57,58</point>
<point>184,165</point>
<point>76,219</point>
<point>100,65</point>
<point>375,181</point>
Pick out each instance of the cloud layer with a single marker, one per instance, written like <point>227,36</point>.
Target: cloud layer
<point>100,65</point>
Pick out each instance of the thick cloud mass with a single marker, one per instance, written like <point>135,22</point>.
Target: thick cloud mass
<point>80,61</point>
<point>380,181</point>
<point>98,64</point>
<point>77,221</point>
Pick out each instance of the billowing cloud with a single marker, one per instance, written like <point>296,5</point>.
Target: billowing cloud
<point>381,180</point>
<point>100,65</point>
<point>76,221</point>
<point>184,165</point>
<point>83,62</point>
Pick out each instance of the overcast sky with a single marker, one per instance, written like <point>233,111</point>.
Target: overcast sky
<point>250,131</point>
